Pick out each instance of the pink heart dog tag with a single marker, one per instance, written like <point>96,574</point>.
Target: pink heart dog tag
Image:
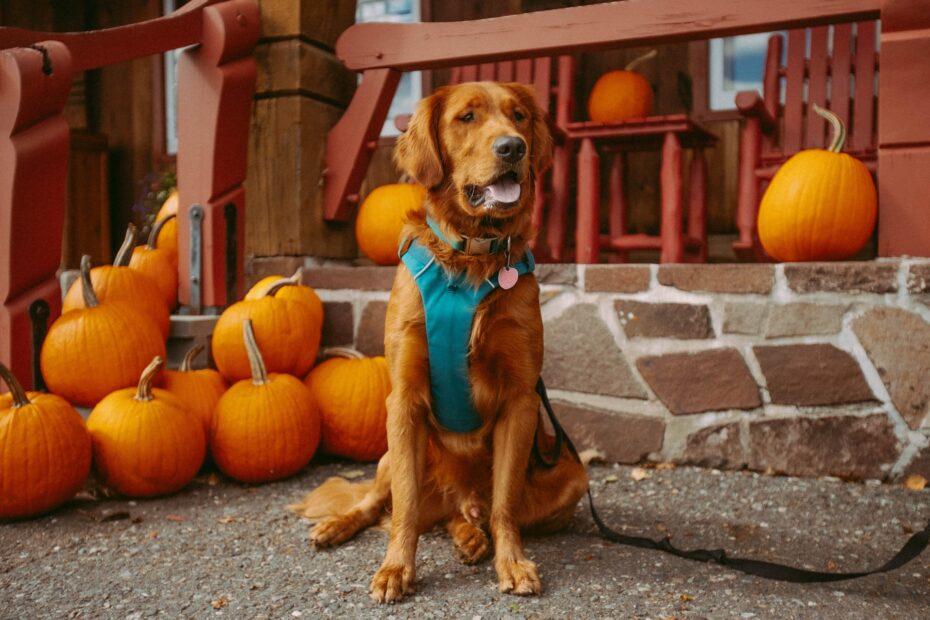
<point>507,277</point>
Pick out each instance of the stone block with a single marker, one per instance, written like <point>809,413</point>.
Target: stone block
<point>803,319</point>
<point>898,344</point>
<point>712,380</point>
<point>849,447</point>
<point>920,464</point>
<point>616,278</point>
<point>843,277</point>
<point>552,273</point>
<point>581,356</point>
<point>370,337</point>
<point>621,436</point>
<point>338,324</point>
<point>812,374</point>
<point>728,278</point>
<point>664,320</point>
<point>358,278</point>
<point>717,446</point>
<point>918,279</point>
<point>258,267</point>
<point>744,318</point>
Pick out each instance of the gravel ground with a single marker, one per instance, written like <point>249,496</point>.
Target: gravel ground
<point>221,549</point>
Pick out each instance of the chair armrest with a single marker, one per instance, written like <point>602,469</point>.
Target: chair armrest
<point>750,104</point>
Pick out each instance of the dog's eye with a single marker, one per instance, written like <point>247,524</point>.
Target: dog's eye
<point>468,117</point>
<point>519,116</point>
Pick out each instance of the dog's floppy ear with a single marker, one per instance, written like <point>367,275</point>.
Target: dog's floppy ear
<point>418,149</point>
<point>541,148</point>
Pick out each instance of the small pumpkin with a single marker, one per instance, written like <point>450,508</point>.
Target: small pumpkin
<point>117,282</point>
<point>820,205</point>
<point>622,94</point>
<point>293,290</point>
<point>145,442</point>
<point>349,391</point>
<point>46,450</point>
<point>168,236</point>
<point>199,390</point>
<point>265,427</point>
<point>288,326</point>
<point>381,219</point>
<point>159,264</point>
<point>92,351</point>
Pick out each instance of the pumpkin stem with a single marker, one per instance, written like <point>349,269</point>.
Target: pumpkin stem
<point>125,251</point>
<point>277,285</point>
<point>631,66</point>
<point>839,129</point>
<point>259,373</point>
<point>19,394</point>
<point>144,391</point>
<point>345,352</point>
<point>153,234</point>
<point>87,288</point>
<point>193,352</point>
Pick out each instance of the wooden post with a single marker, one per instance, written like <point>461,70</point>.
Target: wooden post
<point>670,175</point>
<point>697,203</point>
<point>587,233</point>
<point>34,144</point>
<point>904,132</point>
<point>617,208</point>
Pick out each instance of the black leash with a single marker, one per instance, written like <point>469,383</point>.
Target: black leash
<point>767,570</point>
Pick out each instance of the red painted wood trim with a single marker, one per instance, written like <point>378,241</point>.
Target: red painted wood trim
<point>816,88</point>
<point>587,234</point>
<point>673,250</point>
<point>794,93</point>
<point>697,204</point>
<point>557,218</point>
<point>840,68</point>
<point>408,47</point>
<point>861,132</point>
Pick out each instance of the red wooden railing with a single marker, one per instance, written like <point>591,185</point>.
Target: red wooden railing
<point>216,83</point>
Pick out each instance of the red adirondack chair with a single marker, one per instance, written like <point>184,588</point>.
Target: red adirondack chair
<point>837,72</point>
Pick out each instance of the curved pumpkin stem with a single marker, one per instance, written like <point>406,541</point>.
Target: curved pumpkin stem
<point>125,250</point>
<point>259,372</point>
<point>345,352</point>
<point>144,391</point>
<point>192,353</point>
<point>87,287</point>
<point>277,285</point>
<point>631,66</point>
<point>839,129</point>
<point>16,389</point>
<point>153,234</point>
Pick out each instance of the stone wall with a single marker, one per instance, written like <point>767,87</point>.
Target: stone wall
<point>802,369</point>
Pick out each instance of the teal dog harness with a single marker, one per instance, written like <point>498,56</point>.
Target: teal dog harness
<point>449,302</point>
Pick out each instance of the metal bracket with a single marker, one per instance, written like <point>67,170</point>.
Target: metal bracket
<point>39,312</point>
<point>196,258</point>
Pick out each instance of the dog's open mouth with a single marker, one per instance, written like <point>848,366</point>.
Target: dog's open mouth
<point>504,192</point>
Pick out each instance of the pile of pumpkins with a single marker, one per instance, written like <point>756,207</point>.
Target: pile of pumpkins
<point>261,414</point>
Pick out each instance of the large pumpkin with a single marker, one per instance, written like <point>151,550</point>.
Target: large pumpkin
<point>199,390</point>
<point>119,283</point>
<point>820,205</point>
<point>622,94</point>
<point>265,427</point>
<point>287,327</point>
<point>381,218</point>
<point>349,391</point>
<point>158,263</point>
<point>45,453</point>
<point>288,287</point>
<point>168,235</point>
<point>145,442</point>
<point>92,351</point>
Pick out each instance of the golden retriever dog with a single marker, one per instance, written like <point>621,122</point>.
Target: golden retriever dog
<point>477,147</point>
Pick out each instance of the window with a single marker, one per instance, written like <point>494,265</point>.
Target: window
<point>410,88</point>
<point>171,91</point>
<point>735,64</point>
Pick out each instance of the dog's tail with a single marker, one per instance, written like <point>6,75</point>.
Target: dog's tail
<point>336,496</point>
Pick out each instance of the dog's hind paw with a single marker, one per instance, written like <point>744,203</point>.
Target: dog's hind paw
<point>391,583</point>
<point>333,531</point>
<point>471,543</point>
<point>518,577</point>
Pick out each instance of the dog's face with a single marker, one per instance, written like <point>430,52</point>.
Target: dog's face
<point>481,145</point>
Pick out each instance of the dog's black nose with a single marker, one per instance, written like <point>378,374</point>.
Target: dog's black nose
<point>509,148</point>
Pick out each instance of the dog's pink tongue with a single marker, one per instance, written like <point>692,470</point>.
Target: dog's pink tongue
<point>505,190</point>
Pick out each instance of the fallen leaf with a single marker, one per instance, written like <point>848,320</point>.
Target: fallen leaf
<point>684,598</point>
<point>666,466</point>
<point>639,473</point>
<point>219,603</point>
<point>832,566</point>
<point>916,482</point>
<point>176,518</point>
<point>353,474</point>
<point>611,478</point>
<point>227,519</point>
<point>153,534</point>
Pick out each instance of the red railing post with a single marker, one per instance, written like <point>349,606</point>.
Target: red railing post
<point>34,139</point>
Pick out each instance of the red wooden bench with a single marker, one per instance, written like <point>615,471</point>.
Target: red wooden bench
<point>216,82</point>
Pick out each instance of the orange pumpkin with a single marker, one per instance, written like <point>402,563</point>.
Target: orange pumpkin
<point>92,351</point>
<point>293,290</point>
<point>820,205</point>
<point>145,442</point>
<point>350,390</point>
<point>119,283</point>
<point>622,94</point>
<point>381,218</point>
<point>287,326</point>
<point>265,427</point>
<point>46,450</point>
<point>199,390</point>
<point>168,236</point>
<point>159,264</point>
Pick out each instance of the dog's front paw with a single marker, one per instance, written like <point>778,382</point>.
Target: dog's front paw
<point>392,582</point>
<point>471,542</point>
<point>518,577</point>
<point>333,531</point>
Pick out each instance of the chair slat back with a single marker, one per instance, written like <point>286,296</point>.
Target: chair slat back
<point>536,72</point>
